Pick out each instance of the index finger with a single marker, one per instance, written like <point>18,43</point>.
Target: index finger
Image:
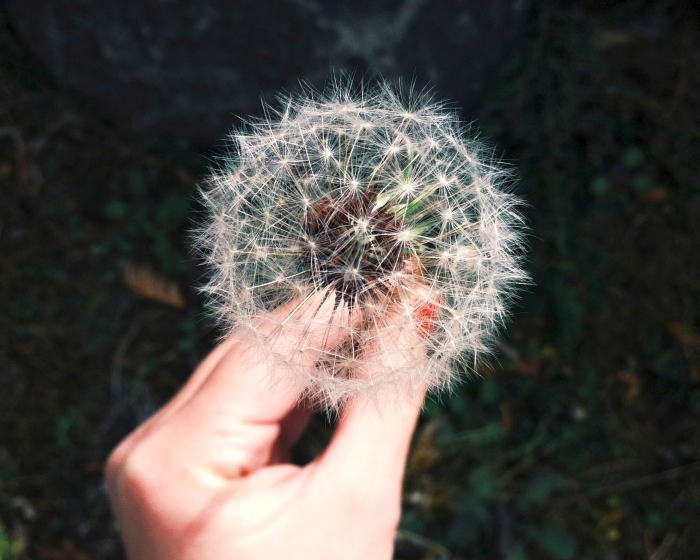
<point>240,381</point>
<point>262,375</point>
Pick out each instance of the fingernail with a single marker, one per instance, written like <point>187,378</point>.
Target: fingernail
<point>426,316</point>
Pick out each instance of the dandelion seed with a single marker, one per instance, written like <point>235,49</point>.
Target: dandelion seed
<point>369,197</point>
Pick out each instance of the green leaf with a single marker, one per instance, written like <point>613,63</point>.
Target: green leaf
<point>116,209</point>
<point>542,487</point>
<point>558,543</point>
<point>614,501</point>
<point>471,513</point>
<point>490,433</point>
<point>185,344</point>
<point>458,404</point>
<point>600,186</point>
<point>483,483</point>
<point>633,157</point>
<point>642,183</point>
<point>411,522</point>
<point>518,553</point>
<point>65,431</point>
<point>172,210</point>
<point>489,391</point>
<point>432,408</point>
<point>137,182</point>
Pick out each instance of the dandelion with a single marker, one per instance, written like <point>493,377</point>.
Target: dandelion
<point>365,197</point>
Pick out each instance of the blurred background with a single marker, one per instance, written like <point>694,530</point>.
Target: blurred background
<point>579,439</point>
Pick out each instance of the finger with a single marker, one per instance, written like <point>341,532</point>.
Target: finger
<point>372,439</point>
<point>179,400</point>
<point>261,382</point>
<point>236,386</point>
<point>233,422</point>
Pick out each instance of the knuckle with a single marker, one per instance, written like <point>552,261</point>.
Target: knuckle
<point>130,471</point>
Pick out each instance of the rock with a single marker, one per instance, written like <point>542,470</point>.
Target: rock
<point>186,67</point>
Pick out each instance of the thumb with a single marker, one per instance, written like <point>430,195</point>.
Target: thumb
<point>372,439</point>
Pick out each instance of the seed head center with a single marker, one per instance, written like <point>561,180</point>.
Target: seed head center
<point>354,248</point>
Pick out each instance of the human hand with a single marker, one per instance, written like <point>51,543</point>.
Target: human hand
<point>205,478</point>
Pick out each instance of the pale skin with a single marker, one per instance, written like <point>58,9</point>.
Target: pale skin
<point>207,477</point>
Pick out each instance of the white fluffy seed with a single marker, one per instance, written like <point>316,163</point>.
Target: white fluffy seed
<point>453,228</point>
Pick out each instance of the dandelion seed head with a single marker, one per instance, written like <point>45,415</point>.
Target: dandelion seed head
<point>369,196</point>
<point>405,235</point>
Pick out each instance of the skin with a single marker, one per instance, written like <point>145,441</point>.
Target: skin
<point>206,478</point>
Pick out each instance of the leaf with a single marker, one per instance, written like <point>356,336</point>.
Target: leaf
<point>146,283</point>
<point>518,553</point>
<point>607,38</point>
<point>490,391</point>
<point>483,483</point>
<point>471,514</point>
<point>600,186</point>
<point>632,157</point>
<point>116,209</point>
<point>172,210</point>
<point>411,522</point>
<point>541,488</point>
<point>490,433</point>
<point>642,183</point>
<point>558,543</point>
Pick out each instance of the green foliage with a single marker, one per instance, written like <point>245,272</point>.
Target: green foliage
<point>411,522</point>
<point>557,543</point>
<point>67,430</point>
<point>116,209</point>
<point>10,548</point>
<point>8,469</point>
<point>171,210</point>
<point>471,515</point>
<point>539,490</point>
<point>483,484</point>
<point>633,157</point>
<point>188,328</point>
<point>518,553</point>
<point>600,186</point>
<point>490,391</point>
